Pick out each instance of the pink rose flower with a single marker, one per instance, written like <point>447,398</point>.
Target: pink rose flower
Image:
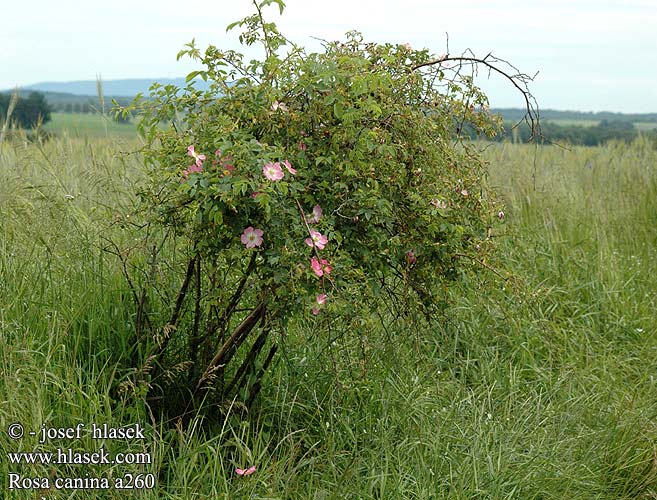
<point>439,204</point>
<point>316,239</point>
<point>279,106</point>
<point>410,257</point>
<point>273,171</point>
<point>252,237</point>
<point>320,267</point>
<point>316,216</point>
<point>199,158</point>
<point>192,169</point>
<point>289,168</point>
<point>317,267</point>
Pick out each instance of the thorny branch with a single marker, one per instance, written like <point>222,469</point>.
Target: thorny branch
<point>519,80</point>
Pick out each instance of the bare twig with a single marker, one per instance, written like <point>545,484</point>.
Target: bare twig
<point>235,339</point>
<point>518,80</point>
<point>179,302</point>
<point>483,264</point>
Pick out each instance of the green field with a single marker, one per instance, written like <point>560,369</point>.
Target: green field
<point>95,125</point>
<point>641,126</point>
<point>89,125</point>
<point>539,383</point>
<point>577,123</point>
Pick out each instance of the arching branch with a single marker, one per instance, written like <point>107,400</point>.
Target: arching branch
<point>519,80</point>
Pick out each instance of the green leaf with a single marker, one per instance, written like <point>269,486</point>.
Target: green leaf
<point>232,25</point>
<point>359,86</point>
<point>338,110</point>
<point>280,3</point>
<point>192,75</point>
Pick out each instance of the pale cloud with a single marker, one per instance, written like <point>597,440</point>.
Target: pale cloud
<point>584,48</point>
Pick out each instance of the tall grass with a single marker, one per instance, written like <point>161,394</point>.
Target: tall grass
<point>7,118</point>
<point>538,386</point>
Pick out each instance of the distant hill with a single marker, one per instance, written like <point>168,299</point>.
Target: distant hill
<point>82,96</point>
<point>72,103</point>
<point>76,95</point>
<point>120,88</point>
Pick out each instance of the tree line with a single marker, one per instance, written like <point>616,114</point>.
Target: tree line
<point>550,132</point>
<point>28,112</point>
<point>37,107</point>
<point>517,114</point>
<point>596,135</point>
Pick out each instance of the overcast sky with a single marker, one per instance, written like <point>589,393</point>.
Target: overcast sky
<point>589,55</point>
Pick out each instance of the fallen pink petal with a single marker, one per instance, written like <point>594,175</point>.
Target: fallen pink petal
<point>321,298</point>
<point>245,472</point>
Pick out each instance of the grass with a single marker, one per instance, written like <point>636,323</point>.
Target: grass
<point>90,125</point>
<point>578,123</point>
<point>643,126</point>
<point>640,126</point>
<point>538,386</point>
<point>95,125</point>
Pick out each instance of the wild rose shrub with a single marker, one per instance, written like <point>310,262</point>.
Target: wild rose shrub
<point>309,184</point>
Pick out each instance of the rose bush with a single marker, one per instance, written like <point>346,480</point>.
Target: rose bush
<point>299,182</point>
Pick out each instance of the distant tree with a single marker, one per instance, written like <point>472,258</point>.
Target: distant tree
<point>28,112</point>
<point>68,108</point>
<point>4,104</point>
<point>605,131</point>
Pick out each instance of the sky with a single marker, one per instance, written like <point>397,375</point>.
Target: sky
<point>587,55</point>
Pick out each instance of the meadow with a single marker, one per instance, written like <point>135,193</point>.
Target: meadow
<point>641,126</point>
<point>88,125</point>
<point>539,383</point>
